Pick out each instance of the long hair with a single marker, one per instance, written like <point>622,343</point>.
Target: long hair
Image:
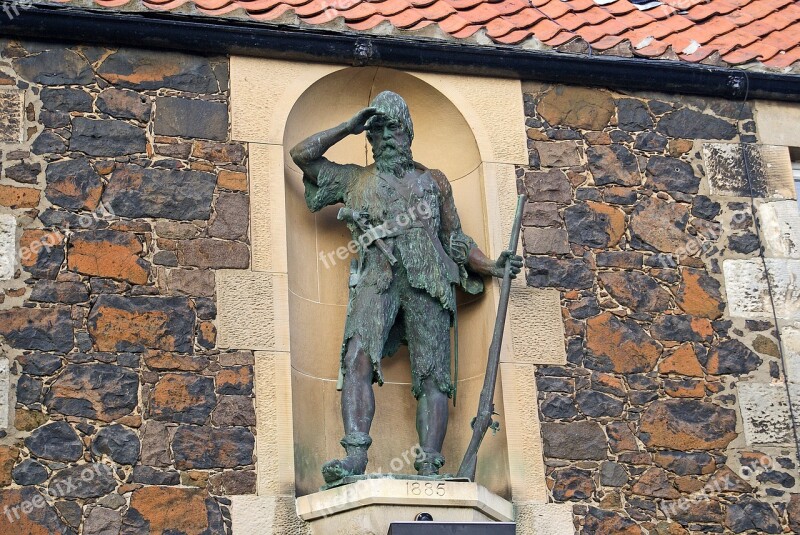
<point>390,158</point>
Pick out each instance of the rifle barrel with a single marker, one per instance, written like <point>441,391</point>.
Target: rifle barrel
<point>483,420</point>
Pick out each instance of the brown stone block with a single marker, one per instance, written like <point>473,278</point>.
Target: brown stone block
<point>579,107</point>
<point>45,329</point>
<point>687,424</point>
<point>655,483</point>
<point>207,334</point>
<point>8,457</point>
<point>684,388</point>
<point>234,410</point>
<point>553,186</point>
<point>545,241</point>
<point>594,224</point>
<point>100,391</point>
<point>183,398</point>
<point>215,254</point>
<point>613,164</point>
<point>661,225</point>
<point>541,214</point>
<point>600,521</point>
<point>621,438</point>
<point>75,184</point>
<point>171,509</point>
<point>231,216</point>
<point>192,282</point>
<point>682,361</point>
<point>233,483</point>
<point>205,447</point>
<point>237,380</point>
<point>619,345</point>
<point>575,440</point>
<point>232,180</point>
<point>699,294</point>
<point>635,290</point>
<point>110,254</point>
<point>137,323</point>
<point>15,197</point>
<point>28,420</point>
<point>194,478</point>
<point>219,152</point>
<point>161,360</point>
<point>41,519</point>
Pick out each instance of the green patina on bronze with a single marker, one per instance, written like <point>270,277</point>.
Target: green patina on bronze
<point>412,254</point>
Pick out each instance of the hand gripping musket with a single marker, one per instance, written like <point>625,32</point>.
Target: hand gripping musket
<point>483,421</point>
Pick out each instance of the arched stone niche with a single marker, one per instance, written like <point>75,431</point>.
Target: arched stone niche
<point>289,307</point>
<point>318,285</point>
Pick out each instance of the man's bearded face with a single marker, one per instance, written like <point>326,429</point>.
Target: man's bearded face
<point>391,145</point>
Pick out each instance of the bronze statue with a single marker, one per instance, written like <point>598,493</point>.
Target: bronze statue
<point>412,254</point>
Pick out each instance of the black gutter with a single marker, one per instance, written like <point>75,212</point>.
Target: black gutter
<point>217,35</point>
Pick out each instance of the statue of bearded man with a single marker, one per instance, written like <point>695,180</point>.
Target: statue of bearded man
<point>412,254</point>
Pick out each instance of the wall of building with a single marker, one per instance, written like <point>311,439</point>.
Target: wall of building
<point>124,203</point>
<point>121,411</point>
<point>672,415</point>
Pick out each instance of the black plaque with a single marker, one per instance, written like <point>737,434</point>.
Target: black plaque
<point>452,528</point>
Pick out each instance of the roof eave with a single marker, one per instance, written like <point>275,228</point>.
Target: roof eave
<point>207,36</point>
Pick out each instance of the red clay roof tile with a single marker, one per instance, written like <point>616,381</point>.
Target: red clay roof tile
<point>498,28</point>
<point>555,9</point>
<point>755,51</point>
<point>453,24</point>
<point>609,41</point>
<point>545,29</point>
<point>526,18</point>
<point>580,5</point>
<point>467,31</point>
<point>738,31</point>
<point>703,11</point>
<point>509,7</point>
<point>561,39</point>
<point>785,59</point>
<point>726,42</point>
<point>436,11</point>
<point>481,14</point>
<point>620,7</point>
<point>786,38</point>
<point>514,38</point>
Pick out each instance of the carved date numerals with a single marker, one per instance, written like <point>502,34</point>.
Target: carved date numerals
<point>418,488</point>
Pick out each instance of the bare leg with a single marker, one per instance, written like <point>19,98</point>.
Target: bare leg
<point>432,415</point>
<point>358,409</point>
<point>358,398</point>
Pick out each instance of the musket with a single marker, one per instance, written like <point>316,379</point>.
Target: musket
<point>483,421</point>
<point>359,219</point>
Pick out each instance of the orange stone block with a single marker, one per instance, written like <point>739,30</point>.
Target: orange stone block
<point>14,197</point>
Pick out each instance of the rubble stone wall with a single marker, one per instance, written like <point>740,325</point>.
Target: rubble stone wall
<point>672,416</point>
<point>121,194</point>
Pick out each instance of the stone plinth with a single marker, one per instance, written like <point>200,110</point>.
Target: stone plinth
<point>368,507</point>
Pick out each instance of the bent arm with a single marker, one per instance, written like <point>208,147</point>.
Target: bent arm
<point>468,253</point>
<point>308,153</point>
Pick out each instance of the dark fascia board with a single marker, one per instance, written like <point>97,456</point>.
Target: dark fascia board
<point>219,36</point>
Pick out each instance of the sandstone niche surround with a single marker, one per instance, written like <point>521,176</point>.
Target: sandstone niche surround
<point>290,307</point>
